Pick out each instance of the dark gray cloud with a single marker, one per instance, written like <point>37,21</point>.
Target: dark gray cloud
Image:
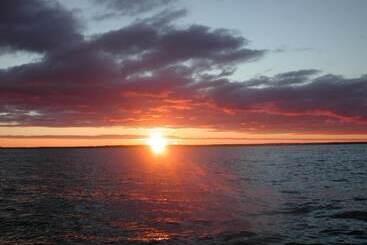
<point>136,6</point>
<point>114,8</point>
<point>36,25</point>
<point>153,48</point>
<point>284,79</point>
<point>332,98</point>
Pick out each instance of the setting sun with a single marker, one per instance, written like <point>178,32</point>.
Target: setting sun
<point>157,142</point>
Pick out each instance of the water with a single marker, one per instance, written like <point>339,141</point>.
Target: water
<point>310,194</point>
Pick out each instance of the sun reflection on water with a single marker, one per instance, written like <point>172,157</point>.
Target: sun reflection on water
<point>151,198</point>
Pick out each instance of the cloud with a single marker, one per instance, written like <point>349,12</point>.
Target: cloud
<point>36,25</point>
<point>325,102</point>
<point>154,48</point>
<point>154,73</point>
<point>115,8</point>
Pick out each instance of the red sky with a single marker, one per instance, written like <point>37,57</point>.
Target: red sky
<point>114,86</point>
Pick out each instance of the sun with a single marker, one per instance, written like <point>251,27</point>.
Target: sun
<point>157,142</point>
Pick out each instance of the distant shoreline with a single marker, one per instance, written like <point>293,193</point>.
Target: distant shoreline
<point>191,145</point>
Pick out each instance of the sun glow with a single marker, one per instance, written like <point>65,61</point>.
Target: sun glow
<point>157,142</point>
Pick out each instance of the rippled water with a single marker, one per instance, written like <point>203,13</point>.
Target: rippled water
<point>311,194</point>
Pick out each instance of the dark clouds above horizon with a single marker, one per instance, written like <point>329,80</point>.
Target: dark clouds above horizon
<point>153,72</point>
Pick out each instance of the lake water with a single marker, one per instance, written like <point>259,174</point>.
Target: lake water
<point>300,194</point>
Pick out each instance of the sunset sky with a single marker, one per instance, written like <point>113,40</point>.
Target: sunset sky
<point>93,72</point>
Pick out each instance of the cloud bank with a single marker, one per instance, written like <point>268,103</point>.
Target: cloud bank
<point>153,72</point>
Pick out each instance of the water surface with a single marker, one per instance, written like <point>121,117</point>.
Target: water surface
<point>301,194</point>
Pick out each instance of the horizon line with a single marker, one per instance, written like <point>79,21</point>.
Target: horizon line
<point>193,145</point>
